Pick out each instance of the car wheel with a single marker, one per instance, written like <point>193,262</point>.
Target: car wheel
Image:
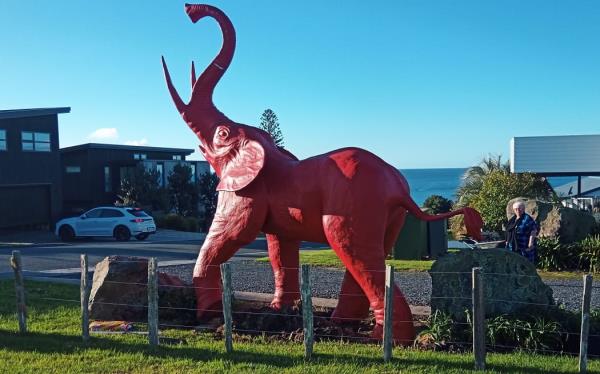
<point>141,236</point>
<point>66,233</point>
<point>122,233</point>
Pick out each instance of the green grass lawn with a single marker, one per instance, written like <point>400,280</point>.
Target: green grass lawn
<point>327,258</point>
<point>53,344</point>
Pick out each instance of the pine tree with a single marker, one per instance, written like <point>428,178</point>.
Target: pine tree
<point>270,123</point>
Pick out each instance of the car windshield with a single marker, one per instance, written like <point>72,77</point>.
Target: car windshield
<point>137,212</point>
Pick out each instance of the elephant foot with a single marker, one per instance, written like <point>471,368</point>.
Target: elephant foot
<point>288,299</point>
<point>349,310</point>
<point>403,328</point>
<point>208,300</point>
<point>206,311</point>
<point>403,332</point>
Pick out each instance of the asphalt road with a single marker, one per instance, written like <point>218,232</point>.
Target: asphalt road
<point>55,259</point>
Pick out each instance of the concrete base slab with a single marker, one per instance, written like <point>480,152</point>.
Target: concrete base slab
<point>319,302</point>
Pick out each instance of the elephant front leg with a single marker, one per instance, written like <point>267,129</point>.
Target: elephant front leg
<point>284,257</point>
<point>237,222</point>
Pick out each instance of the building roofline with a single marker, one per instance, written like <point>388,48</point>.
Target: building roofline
<point>140,148</point>
<point>32,112</point>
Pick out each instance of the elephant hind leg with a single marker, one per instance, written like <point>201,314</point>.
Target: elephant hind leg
<point>364,258</point>
<point>352,301</point>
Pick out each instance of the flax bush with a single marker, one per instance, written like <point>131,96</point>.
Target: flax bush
<point>590,252</point>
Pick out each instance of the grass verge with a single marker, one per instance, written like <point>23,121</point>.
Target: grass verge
<point>53,344</point>
<point>327,258</point>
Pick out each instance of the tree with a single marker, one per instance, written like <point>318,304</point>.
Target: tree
<point>437,204</point>
<point>489,186</point>
<point>208,196</point>
<point>498,188</point>
<point>270,123</point>
<point>141,188</point>
<point>183,192</point>
<point>472,179</point>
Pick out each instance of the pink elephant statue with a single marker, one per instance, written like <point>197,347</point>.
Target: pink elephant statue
<point>348,198</point>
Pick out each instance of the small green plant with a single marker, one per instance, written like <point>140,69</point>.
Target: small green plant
<point>540,334</point>
<point>500,330</point>
<point>590,252</point>
<point>438,332</point>
<point>503,333</point>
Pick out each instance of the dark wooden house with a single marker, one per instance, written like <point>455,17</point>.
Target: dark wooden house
<point>30,171</point>
<point>92,173</point>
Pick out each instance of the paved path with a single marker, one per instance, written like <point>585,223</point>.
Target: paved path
<point>55,258</point>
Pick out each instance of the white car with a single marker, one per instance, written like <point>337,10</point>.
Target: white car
<point>120,223</point>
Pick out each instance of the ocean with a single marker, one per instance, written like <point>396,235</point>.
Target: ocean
<point>444,182</point>
<point>426,182</point>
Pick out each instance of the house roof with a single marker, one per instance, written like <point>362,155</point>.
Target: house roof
<point>33,112</point>
<point>556,155</point>
<point>588,185</point>
<point>138,148</point>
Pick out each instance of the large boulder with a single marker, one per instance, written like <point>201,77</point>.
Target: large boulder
<point>556,221</point>
<point>119,292</point>
<point>511,284</point>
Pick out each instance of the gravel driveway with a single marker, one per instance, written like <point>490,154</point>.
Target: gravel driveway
<point>252,276</point>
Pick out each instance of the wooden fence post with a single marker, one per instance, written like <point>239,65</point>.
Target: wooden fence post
<point>153,302</point>
<point>478,319</point>
<point>307,312</point>
<point>388,313</point>
<point>585,322</point>
<point>17,265</point>
<point>227,314</point>
<point>85,298</point>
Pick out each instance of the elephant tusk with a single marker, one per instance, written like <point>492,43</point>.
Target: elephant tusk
<point>181,107</point>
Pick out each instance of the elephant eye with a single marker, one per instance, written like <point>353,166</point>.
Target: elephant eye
<point>223,133</point>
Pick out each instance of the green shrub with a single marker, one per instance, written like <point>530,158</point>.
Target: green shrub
<point>191,224</point>
<point>556,256</point>
<point>497,188</point>
<point>590,253</point>
<point>437,204</point>
<point>172,221</point>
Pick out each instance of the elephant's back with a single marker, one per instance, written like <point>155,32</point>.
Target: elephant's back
<point>358,171</point>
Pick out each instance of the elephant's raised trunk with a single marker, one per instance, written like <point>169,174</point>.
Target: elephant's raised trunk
<point>205,85</point>
<point>201,113</point>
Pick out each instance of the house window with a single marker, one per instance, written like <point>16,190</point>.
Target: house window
<point>107,179</point>
<point>193,177</point>
<point>73,169</point>
<point>2,140</point>
<point>35,141</point>
<point>161,178</point>
<point>176,157</point>
<point>139,156</point>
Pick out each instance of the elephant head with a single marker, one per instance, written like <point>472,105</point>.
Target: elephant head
<point>235,151</point>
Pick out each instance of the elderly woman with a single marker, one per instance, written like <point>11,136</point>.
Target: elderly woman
<point>521,232</point>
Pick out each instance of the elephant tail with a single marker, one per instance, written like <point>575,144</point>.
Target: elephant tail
<point>473,221</point>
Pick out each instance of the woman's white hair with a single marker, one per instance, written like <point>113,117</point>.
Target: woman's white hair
<point>519,203</point>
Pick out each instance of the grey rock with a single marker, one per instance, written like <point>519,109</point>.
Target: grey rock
<point>567,224</point>
<point>511,283</point>
<point>119,292</point>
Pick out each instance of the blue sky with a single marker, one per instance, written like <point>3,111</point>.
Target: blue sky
<point>420,83</point>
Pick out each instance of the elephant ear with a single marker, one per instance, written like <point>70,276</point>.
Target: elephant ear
<point>243,167</point>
